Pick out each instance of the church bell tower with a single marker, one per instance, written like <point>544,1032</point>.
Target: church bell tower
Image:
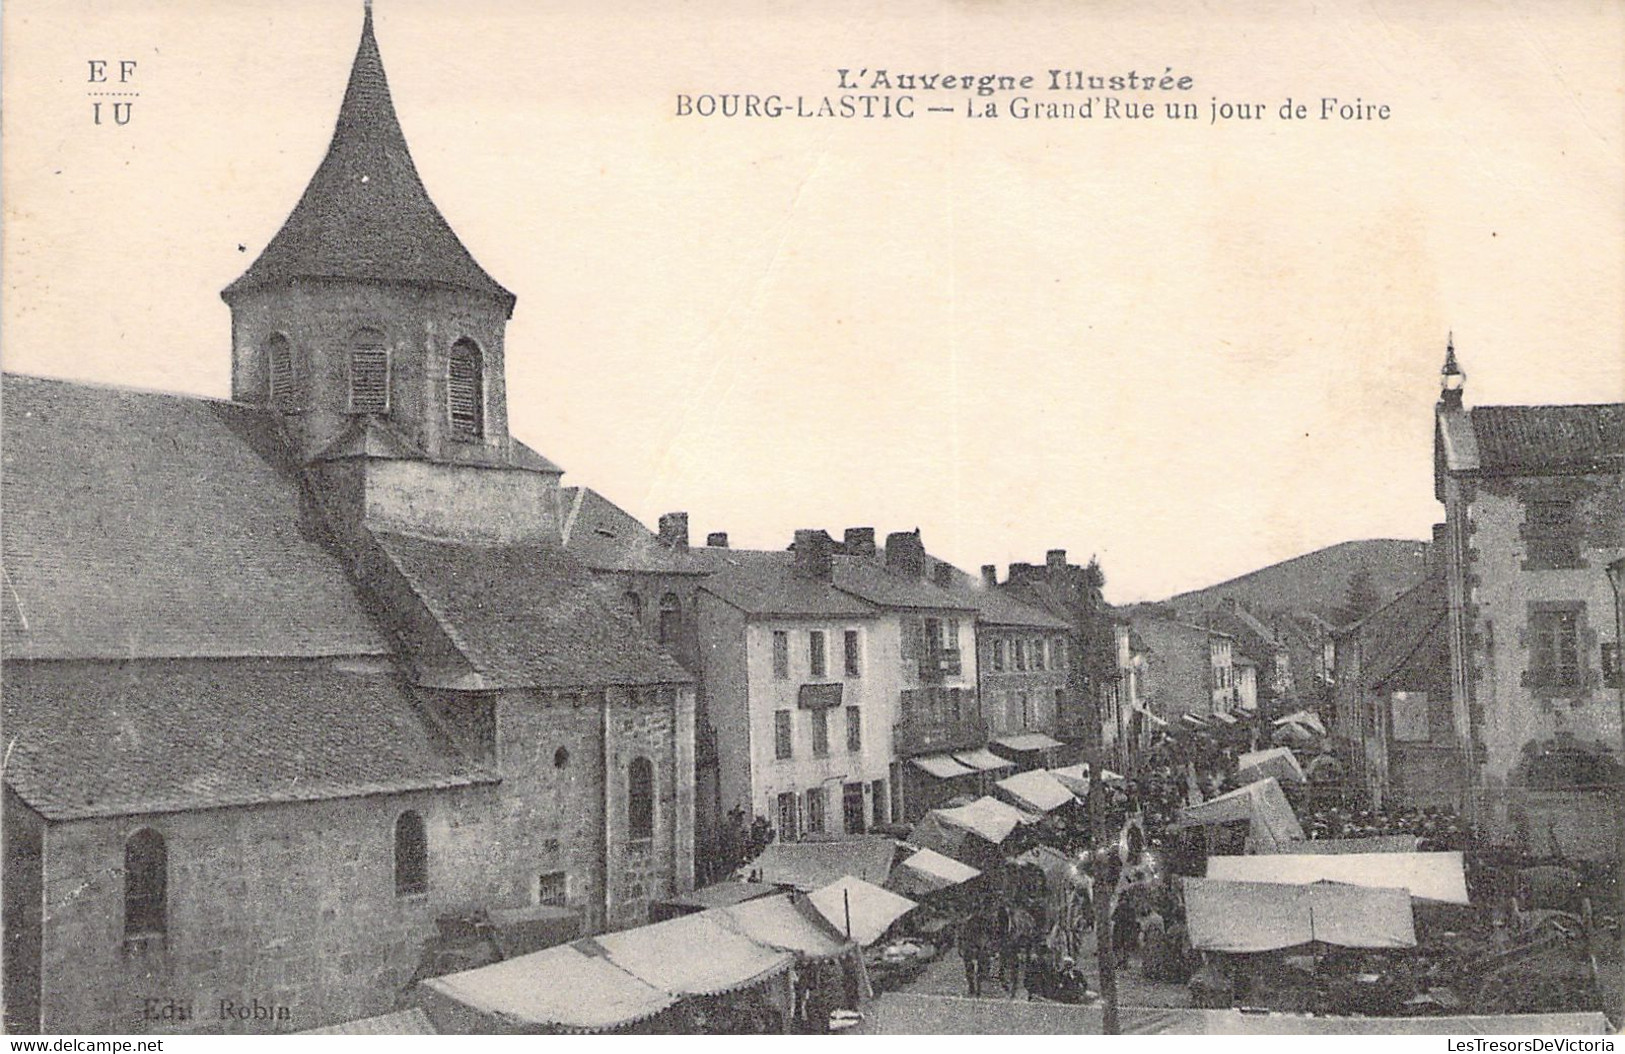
<point>370,328</point>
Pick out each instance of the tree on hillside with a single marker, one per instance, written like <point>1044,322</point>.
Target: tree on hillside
<point>1360,599</point>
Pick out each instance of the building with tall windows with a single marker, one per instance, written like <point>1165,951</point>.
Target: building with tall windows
<point>1534,502</point>
<point>295,681</point>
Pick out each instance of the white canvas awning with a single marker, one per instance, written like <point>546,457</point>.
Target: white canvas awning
<point>1036,790</point>
<point>873,910</point>
<point>1279,762</point>
<point>1273,826</point>
<point>1028,741</point>
<point>942,766</point>
<point>1264,916</point>
<point>982,759</point>
<point>1427,876</point>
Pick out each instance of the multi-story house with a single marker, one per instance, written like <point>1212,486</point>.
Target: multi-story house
<point>1393,721</point>
<point>1188,670</point>
<point>1533,498</point>
<point>841,684</point>
<point>1022,666</point>
<point>798,687</point>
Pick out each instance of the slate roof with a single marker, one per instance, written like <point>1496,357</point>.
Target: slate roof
<point>1532,438</point>
<point>606,537</point>
<point>526,615</point>
<point>145,525</point>
<point>365,214</point>
<point>869,580</point>
<point>1403,644</point>
<point>120,739</point>
<point>765,584</point>
<point>996,608</point>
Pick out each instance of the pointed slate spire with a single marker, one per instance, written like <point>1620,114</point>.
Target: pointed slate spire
<point>365,214</point>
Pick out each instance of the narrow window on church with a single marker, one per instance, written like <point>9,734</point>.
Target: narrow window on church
<point>465,390</point>
<point>282,380</point>
<point>411,855</point>
<point>146,884</point>
<point>640,799</point>
<point>634,606</point>
<point>671,617</point>
<point>369,373</point>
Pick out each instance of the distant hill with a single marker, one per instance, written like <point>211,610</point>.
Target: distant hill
<point>1318,581</point>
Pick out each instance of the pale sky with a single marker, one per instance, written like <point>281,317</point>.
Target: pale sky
<point>1191,349</point>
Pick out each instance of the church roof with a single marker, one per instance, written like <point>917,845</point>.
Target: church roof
<point>114,740</point>
<point>365,214</point>
<point>525,615</point>
<point>606,537</point>
<point>146,525</point>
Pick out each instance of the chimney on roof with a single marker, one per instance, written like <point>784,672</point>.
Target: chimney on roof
<point>674,529</point>
<point>860,541</point>
<point>905,553</point>
<point>1055,561</point>
<point>815,557</point>
<point>942,574</point>
<point>1022,573</point>
<point>990,575</point>
<point>717,540</point>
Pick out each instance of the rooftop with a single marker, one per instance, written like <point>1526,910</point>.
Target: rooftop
<point>112,741</point>
<point>365,214</point>
<point>146,525</point>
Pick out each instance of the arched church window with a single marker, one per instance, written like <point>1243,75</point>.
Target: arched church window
<point>465,390</point>
<point>282,379</point>
<point>634,605</point>
<point>369,373</point>
<point>146,883</point>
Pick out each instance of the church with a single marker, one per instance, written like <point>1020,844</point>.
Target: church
<point>300,682</point>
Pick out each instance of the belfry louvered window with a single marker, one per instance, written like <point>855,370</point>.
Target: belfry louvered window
<point>465,390</point>
<point>369,373</point>
<point>283,393</point>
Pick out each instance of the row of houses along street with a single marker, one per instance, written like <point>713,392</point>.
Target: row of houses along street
<point>330,705</point>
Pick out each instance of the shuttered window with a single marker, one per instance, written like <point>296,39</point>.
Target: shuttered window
<point>369,373</point>
<point>279,366</point>
<point>465,390</point>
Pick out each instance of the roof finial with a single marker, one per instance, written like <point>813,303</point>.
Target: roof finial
<point>1451,377</point>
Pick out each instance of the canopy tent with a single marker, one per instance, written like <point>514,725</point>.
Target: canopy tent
<point>716,895</point>
<point>1027,742</point>
<point>1377,843</point>
<point>692,955</point>
<point>808,865</point>
<point>1279,762</point>
<point>1307,718</point>
<point>1426,876</point>
<point>942,766</point>
<point>908,1014</point>
<point>1036,790</point>
<point>982,760</point>
<point>1075,778</point>
<point>873,910</point>
<point>928,871</point>
<point>782,922</point>
<point>989,818</point>
<point>1222,718</point>
<point>1266,916</point>
<point>1273,825</point>
<point>560,988</point>
<point>1193,720</point>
